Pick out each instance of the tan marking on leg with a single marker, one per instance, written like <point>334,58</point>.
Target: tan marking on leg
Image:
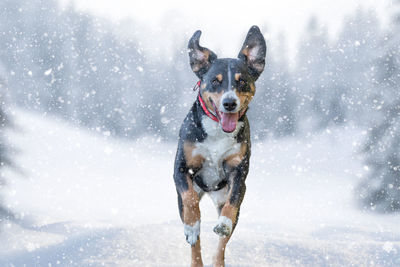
<point>219,257</point>
<point>237,76</point>
<point>191,214</point>
<point>219,77</point>
<point>196,255</point>
<point>203,85</point>
<point>192,161</point>
<point>190,201</point>
<point>235,159</point>
<point>230,212</point>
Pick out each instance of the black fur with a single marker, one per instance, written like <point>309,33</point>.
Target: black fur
<point>220,76</point>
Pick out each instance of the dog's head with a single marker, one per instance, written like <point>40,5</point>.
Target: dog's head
<point>227,85</point>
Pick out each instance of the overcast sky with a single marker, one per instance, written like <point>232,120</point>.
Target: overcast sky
<point>225,23</point>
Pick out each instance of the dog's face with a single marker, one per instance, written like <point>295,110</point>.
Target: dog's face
<point>227,85</point>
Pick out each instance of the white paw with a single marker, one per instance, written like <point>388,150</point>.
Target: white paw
<point>192,232</point>
<point>224,226</point>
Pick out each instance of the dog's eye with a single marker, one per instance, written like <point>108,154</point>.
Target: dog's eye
<point>242,83</point>
<point>215,83</point>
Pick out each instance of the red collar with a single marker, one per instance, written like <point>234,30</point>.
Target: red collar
<point>205,109</point>
<point>203,105</point>
<point>208,113</point>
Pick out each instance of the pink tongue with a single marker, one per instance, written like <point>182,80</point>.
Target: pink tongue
<point>228,121</point>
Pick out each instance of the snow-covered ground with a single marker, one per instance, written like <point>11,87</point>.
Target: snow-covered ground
<point>88,199</point>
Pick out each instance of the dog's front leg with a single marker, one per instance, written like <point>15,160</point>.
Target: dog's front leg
<point>191,220</point>
<point>229,214</point>
<point>227,222</point>
<point>189,199</point>
<point>190,214</point>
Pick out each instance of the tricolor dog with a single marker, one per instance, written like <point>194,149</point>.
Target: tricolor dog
<point>214,140</point>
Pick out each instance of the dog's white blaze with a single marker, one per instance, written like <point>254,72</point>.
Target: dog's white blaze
<point>217,146</point>
<point>230,93</point>
<point>229,76</point>
<point>225,220</point>
<point>192,232</point>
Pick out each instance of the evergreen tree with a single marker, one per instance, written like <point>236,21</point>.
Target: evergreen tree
<point>4,151</point>
<point>273,109</point>
<point>73,65</point>
<point>320,98</point>
<point>381,189</point>
<point>354,60</point>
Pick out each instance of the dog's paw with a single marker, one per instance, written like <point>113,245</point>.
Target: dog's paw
<point>224,226</point>
<point>192,232</point>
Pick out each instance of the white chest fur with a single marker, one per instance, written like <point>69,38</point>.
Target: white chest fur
<point>216,147</point>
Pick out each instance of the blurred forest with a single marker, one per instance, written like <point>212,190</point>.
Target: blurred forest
<point>4,153</point>
<point>74,65</point>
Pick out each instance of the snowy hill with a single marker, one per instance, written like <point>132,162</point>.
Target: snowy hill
<point>88,199</point>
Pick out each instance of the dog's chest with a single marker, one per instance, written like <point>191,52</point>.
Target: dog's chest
<point>214,149</point>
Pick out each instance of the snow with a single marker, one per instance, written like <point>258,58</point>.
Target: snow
<point>86,198</point>
<point>48,72</point>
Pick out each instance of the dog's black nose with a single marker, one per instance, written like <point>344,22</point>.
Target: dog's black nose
<point>229,104</point>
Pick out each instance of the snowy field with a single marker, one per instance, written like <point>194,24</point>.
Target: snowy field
<point>89,200</point>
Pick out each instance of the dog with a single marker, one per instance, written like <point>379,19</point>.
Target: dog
<point>214,140</point>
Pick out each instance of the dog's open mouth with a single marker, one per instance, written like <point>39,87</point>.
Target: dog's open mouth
<point>228,121</point>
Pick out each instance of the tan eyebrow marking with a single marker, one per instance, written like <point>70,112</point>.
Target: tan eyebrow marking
<point>237,76</point>
<point>219,77</point>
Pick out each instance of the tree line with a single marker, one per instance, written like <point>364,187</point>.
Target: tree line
<point>74,65</point>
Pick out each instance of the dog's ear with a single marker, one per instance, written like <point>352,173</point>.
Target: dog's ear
<point>201,58</point>
<point>253,52</point>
